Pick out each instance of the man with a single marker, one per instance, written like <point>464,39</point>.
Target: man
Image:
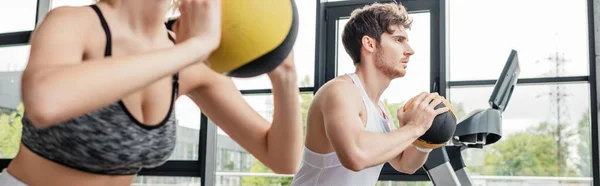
<point>348,137</point>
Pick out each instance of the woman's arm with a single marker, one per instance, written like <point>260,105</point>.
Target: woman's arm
<point>58,85</point>
<point>278,144</point>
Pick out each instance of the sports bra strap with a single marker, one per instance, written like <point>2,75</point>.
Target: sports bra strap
<point>107,49</point>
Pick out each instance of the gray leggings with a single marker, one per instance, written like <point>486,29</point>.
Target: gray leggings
<point>8,180</point>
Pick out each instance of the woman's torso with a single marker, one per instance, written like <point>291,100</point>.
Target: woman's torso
<point>137,131</point>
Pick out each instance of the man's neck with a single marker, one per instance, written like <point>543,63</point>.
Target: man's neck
<point>373,81</point>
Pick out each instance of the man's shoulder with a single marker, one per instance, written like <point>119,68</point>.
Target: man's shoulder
<point>338,89</point>
<point>338,85</point>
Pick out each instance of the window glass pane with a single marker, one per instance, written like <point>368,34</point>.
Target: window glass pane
<point>404,183</point>
<point>14,58</point>
<point>304,51</point>
<point>417,75</point>
<point>12,63</point>
<point>166,181</point>
<point>482,33</point>
<point>255,180</point>
<point>188,129</point>
<point>526,180</point>
<point>505,180</point>
<point>234,165</point>
<point>533,146</point>
<point>18,15</point>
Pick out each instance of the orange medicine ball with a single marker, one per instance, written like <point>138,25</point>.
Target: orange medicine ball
<point>441,130</point>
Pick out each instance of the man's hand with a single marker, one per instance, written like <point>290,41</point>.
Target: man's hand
<point>422,112</point>
<point>419,116</point>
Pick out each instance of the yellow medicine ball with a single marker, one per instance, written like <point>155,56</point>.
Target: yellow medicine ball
<point>257,35</point>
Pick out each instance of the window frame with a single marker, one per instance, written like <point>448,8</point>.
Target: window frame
<point>329,12</point>
<point>593,12</point>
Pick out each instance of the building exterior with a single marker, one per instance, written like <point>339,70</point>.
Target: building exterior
<point>10,90</point>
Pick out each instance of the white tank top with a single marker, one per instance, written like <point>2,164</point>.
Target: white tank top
<point>326,169</point>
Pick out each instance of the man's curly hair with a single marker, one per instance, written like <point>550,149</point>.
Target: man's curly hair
<point>372,20</point>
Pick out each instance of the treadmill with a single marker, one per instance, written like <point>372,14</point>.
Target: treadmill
<point>445,165</point>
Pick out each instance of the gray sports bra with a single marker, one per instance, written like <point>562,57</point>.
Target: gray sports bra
<point>108,140</point>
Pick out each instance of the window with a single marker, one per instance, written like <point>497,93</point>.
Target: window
<point>547,128</point>
<point>481,34</point>
<point>188,129</point>
<point>231,160</point>
<point>11,110</point>
<point>545,122</point>
<point>403,183</point>
<point>14,58</point>
<point>422,71</point>
<point>533,144</point>
<point>304,51</point>
<point>165,181</point>
<point>257,179</point>
<point>17,16</point>
<point>234,165</point>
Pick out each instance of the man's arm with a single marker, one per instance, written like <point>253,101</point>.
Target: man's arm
<point>356,148</point>
<point>411,159</point>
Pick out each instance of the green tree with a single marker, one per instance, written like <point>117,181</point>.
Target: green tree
<point>584,146</point>
<point>270,181</point>
<point>561,133</point>
<point>529,153</point>
<point>522,154</point>
<point>10,132</point>
<point>404,183</point>
<point>393,108</point>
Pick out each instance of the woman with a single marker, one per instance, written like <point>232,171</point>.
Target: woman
<point>100,85</point>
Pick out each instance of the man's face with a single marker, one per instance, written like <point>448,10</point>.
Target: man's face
<point>393,53</point>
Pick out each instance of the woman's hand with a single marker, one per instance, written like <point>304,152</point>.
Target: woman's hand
<point>286,69</point>
<point>201,20</point>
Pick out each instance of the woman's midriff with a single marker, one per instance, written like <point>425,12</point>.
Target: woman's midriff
<point>34,170</point>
